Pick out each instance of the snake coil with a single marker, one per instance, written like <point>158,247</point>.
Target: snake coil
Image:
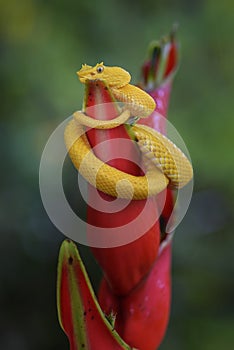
<point>165,163</point>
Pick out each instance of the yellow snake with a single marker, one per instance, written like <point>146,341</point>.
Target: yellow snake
<point>165,163</point>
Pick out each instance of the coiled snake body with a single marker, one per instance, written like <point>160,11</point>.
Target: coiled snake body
<point>165,163</point>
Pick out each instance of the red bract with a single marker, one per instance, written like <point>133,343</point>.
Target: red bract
<point>80,315</point>
<point>146,309</point>
<point>143,314</point>
<point>157,77</point>
<point>126,265</point>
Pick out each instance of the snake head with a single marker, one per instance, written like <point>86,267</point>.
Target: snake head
<point>115,77</point>
<point>86,73</point>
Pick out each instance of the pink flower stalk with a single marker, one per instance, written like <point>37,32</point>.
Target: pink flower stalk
<point>158,72</point>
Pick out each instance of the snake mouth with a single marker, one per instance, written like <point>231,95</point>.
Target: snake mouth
<point>84,76</point>
<point>83,79</point>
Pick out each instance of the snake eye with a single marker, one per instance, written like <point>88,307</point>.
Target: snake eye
<point>100,69</point>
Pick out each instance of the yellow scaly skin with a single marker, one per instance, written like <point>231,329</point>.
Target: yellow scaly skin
<point>165,164</point>
<point>136,100</point>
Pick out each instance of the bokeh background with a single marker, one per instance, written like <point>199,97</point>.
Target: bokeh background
<point>43,44</point>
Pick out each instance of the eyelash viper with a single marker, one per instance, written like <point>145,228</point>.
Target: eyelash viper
<point>165,163</point>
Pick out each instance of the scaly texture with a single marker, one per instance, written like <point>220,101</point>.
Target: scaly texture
<point>165,155</point>
<point>166,162</point>
<point>107,179</point>
<point>137,101</point>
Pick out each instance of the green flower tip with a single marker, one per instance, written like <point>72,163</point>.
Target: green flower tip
<point>161,62</point>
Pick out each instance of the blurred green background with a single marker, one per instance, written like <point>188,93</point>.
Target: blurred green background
<point>43,43</point>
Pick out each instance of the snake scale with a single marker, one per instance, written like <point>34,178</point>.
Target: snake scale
<point>165,164</point>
